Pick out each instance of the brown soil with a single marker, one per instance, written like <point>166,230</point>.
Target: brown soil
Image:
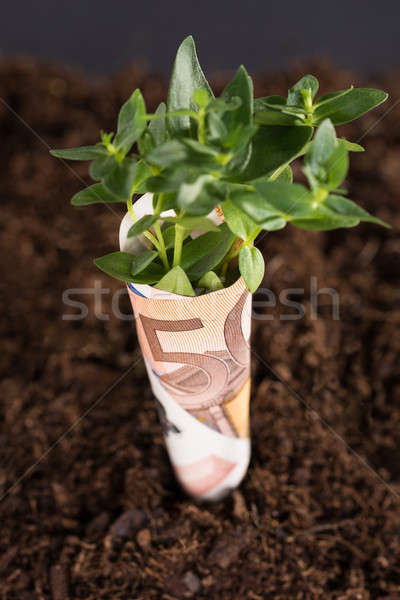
<point>90,507</point>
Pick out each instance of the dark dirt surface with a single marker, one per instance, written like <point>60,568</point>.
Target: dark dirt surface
<point>90,508</point>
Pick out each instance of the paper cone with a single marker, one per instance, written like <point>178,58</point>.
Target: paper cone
<point>197,356</point>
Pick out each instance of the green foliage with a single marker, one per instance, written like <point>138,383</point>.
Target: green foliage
<point>251,267</point>
<point>176,281</point>
<point>210,282</point>
<point>234,152</point>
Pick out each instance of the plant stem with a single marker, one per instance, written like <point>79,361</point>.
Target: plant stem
<point>201,118</point>
<point>147,234</point>
<point>162,250</point>
<point>179,237</point>
<point>129,206</point>
<point>157,229</point>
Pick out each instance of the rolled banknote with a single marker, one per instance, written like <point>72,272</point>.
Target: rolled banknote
<point>197,355</point>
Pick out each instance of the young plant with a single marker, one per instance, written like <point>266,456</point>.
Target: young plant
<point>199,153</point>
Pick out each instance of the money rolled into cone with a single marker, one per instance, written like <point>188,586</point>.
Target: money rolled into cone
<point>197,355</point>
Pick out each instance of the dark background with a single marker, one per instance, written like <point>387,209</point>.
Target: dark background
<point>102,36</point>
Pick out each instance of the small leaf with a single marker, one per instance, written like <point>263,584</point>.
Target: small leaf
<point>349,106</point>
<point>238,222</point>
<point>206,252</point>
<point>101,166</point>
<point>131,121</point>
<point>194,198</point>
<point>216,129</point>
<point>345,207</point>
<point>308,82</point>
<point>327,158</point>
<point>322,145</point>
<point>116,264</point>
<point>331,95</point>
<point>81,153</point>
<point>273,199</point>
<point>272,147</point>
<point>168,154</point>
<point>352,146</point>
<point>142,260</point>
<point>241,86</point>
<point>286,176</point>
<point>177,282</point>
<point>269,101</point>
<point>274,224</point>
<point>120,180</point>
<point>142,225</point>
<point>187,77</point>
<point>158,127</point>
<point>96,193</point>
<point>201,97</point>
<point>142,173</point>
<point>210,281</point>
<point>251,267</point>
<point>273,116</point>
<point>324,222</point>
<point>145,143</point>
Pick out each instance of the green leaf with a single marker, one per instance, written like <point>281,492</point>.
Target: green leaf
<point>158,127</point>
<point>322,145</point>
<point>206,252</point>
<point>119,264</point>
<point>349,106</point>
<point>96,193</point>
<point>142,173</point>
<point>322,221</point>
<point>273,199</point>
<point>190,223</point>
<point>101,166</point>
<point>177,282</point>
<point>194,197</point>
<point>221,105</point>
<point>175,152</point>
<point>268,101</point>
<point>337,166</point>
<point>145,143</point>
<point>308,82</point>
<point>274,224</point>
<point>131,121</point>
<point>151,274</point>
<point>120,180</point>
<point>251,267</point>
<point>327,158</point>
<point>187,77</point>
<point>331,95</point>
<point>142,225</point>
<point>81,153</point>
<point>241,87</point>
<point>201,97</point>
<point>286,176</point>
<point>142,260</point>
<point>345,207</point>
<point>274,116</point>
<point>170,180</point>
<point>238,222</point>
<point>272,147</point>
<point>116,264</point>
<point>216,129</point>
<point>210,281</point>
<point>352,146</point>
<point>273,110</point>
